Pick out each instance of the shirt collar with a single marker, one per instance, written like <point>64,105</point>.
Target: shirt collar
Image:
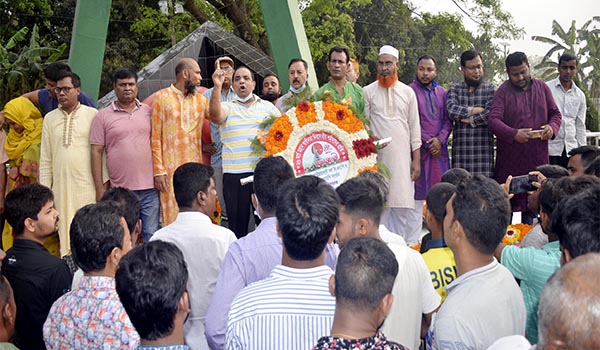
<point>472,274</point>
<point>164,347</point>
<point>287,272</point>
<point>97,282</point>
<point>116,107</point>
<point>436,243</point>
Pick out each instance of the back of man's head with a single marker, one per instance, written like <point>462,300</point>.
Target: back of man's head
<point>593,168</point>
<point>95,231</point>
<point>52,71</point>
<point>307,212</point>
<point>552,171</point>
<point>569,304</point>
<point>455,175</point>
<point>25,202</point>
<point>190,179</point>
<point>365,273</point>
<point>380,180</point>
<point>361,198</point>
<point>483,210</point>
<point>437,198</point>
<point>129,203</point>
<point>576,221</point>
<point>269,175</point>
<point>150,282</point>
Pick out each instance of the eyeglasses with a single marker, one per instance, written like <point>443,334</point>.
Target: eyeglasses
<point>65,89</point>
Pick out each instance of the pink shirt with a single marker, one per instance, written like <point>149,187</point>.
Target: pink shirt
<point>126,137</point>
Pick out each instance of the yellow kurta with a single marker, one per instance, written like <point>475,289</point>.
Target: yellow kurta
<point>65,164</point>
<point>176,139</point>
<point>394,113</point>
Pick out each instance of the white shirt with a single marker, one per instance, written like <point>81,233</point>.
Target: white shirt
<point>204,246</point>
<point>413,296</point>
<point>390,237</point>
<point>482,306</point>
<point>572,106</point>
<point>291,309</point>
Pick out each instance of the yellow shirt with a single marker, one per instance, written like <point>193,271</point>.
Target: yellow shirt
<point>441,265</point>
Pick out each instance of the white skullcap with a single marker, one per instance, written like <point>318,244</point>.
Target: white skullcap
<point>389,50</point>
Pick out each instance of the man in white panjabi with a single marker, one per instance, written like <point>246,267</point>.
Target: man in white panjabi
<point>65,158</point>
<point>392,108</point>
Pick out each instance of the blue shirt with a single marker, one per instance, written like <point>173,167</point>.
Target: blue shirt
<point>215,134</point>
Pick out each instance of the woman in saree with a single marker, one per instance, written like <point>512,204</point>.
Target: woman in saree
<point>22,146</point>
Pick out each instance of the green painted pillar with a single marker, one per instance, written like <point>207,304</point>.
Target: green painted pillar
<point>287,38</point>
<point>88,40</point>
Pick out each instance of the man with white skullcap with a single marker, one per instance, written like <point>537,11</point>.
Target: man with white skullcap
<point>392,108</point>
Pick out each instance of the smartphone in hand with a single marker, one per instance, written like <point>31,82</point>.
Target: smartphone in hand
<point>521,184</point>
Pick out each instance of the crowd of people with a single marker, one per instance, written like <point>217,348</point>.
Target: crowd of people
<point>113,238</point>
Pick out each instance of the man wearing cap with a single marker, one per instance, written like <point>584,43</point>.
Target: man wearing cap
<point>215,148</point>
<point>178,114</point>
<point>392,108</point>
<point>298,76</point>
<point>338,89</point>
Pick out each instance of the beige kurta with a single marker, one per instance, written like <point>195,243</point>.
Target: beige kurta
<point>394,113</point>
<point>65,164</point>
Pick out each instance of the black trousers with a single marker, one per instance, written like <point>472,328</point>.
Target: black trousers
<point>238,202</point>
<point>562,160</point>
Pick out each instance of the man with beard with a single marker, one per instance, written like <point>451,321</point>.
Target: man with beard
<point>339,89</point>
<point>271,89</point>
<point>468,105</point>
<point>178,114</point>
<point>299,90</point>
<point>523,116</point>
<point>240,121</point>
<point>435,128</point>
<point>38,278</point>
<point>392,108</point>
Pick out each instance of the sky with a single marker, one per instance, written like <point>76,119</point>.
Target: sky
<point>534,16</point>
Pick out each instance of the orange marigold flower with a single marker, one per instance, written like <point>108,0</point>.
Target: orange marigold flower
<point>305,113</point>
<point>278,135</point>
<point>342,117</point>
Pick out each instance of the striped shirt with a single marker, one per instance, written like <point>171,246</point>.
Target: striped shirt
<point>215,134</point>
<point>533,267</point>
<point>472,144</point>
<point>291,309</point>
<point>240,127</point>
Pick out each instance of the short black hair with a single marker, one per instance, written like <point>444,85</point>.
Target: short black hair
<point>25,202</point>
<point>426,57</point>
<point>455,176</point>
<point>123,73</point>
<point>188,180</point>
<point>483,209</point>
<point>467,56</point>
<point>588,154</point>
<point>150,281</point>
<point>75,80</point>
<point>552,171</point>
<point>95,231</point>
<point>437,197</point>
<point>566,57</point>
<point>360,198</point>
<point>516,59</point>
<point>307,212</point>
<point>380,180</point>
<point>546,197</point>
<point>365,273</point>
<point>294,60</point>
<point>577,221</point>
<point>129,203</point>
<point>339,49</point>
<point>271,75</point>
<point>269,175</point>
<point>245,67</point>
<point>593,168</point>
<point>568,186</point>
<point>52,71</point>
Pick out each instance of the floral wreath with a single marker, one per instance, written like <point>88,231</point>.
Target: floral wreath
<point>515,233</point>
<point>316,135</point>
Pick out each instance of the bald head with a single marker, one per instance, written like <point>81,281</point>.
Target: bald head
<point>569,306</point>
<point>185,63</point>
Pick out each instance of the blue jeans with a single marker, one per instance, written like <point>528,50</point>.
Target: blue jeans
<point>149,212</point>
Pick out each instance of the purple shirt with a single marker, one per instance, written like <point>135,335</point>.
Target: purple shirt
<point>434,123</point>
<point>249,259</point>
<point>513,109</point>
<point>126,137</point>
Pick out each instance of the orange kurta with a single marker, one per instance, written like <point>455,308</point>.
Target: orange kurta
<point>176,138</point>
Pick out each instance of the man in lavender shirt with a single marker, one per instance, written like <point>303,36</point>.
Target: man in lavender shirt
<point>252,258</point>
